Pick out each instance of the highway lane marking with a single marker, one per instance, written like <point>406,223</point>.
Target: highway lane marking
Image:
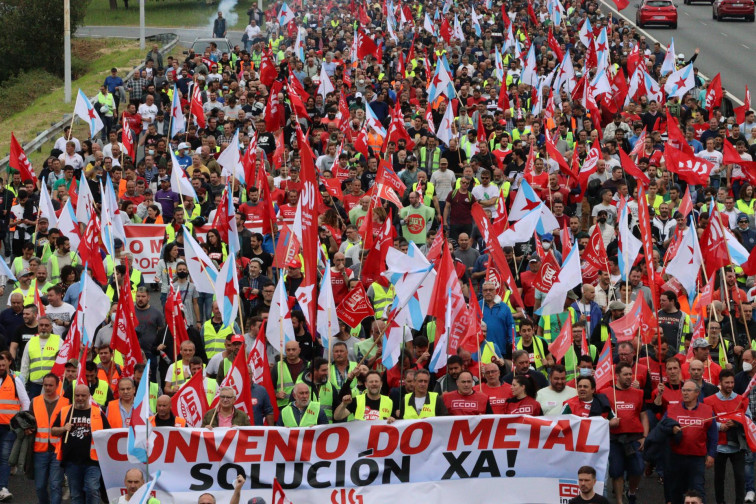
<point>703,23</point>
<point>745,46</point>
<point>654,39</point>
<point>723,33</point>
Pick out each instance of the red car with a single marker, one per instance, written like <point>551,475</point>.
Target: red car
<point>733,8</point>
<point>657,12</point>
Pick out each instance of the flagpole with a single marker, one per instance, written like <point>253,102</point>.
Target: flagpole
<point>637,350</point>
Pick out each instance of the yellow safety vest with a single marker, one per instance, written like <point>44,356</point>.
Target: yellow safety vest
<point>382,298</point>
<point>308,419</point>
<point>288,382</point>
<point>428,196</point>
<point>215,342</point>
<point>539,355</point>
<point>41,361</point>
<point>325,397</point>
<point>100,395</point>
<point>170,233</point>
<point>429,408</point>
<point>385,407</point>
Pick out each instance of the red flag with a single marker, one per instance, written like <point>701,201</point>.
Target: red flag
<point>503,95</point>
<point>220,221</point>
<point>434,252</point>
<point>365,45</point>
<point>676,137</point>
<point>748,425</point>
<point>309,202</point>
<point>713,244</point>
<point>396,129</point>
<point>268,69</point>
<point>692,169</point>
<point>749,267</point>
<point>174,318</point>
<point>355,307</point>
<point>686,204</point>
<point>386,176</point>
<point>644,223</point>
<point>632,170</point>
<point>557,156</point>
<point>730,154</point>
<point>287,247</point>
<point>705,298</point>
<point>257,361</point>
<point>445,31</point>
<point>741,111</point>
<point>279,497</point>
<point>124,333</point>
<point>560,346</point>
<point>38,303</point>
<point>495,251</point>
<point>376,264</point>
<point>274,110</point>
<point>626,327</point>
<point>603,373</point>
<point>505,18</point>
<point>554,45</point>
<point>595,253</point>
<point>547,274</point>
<point>471,340</point>
<point>195,107</point>
<point>20,162</point>
<point>190,401</point>
<point>267,199</point>
<point>564,237</point>
<point>238,379</point>
<point>70,347</point>
<point>584,348</point>
<point>714,93</point>
<point>333,186</point>
<point>89,250</point>
<point>533,17</point>
<point>621,4</point>
<point>81,371</point>
<point>481,131</point>
<point>127,139</point>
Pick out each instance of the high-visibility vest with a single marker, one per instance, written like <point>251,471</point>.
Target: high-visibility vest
<point>571,360</point>
<point>547,323</point>
<point>114,414</point>
<point>154,390</point>
<point>43,437</point>
<point>434,160</point>
<point>100,395</point>
<point>41,361</point>
<point>288,382</point>
<point>135,277</point>
<point>28,296</point>
<point>9,402</point>
<point>18,264</point>
<point>429,190</point>
<point>724,347</point>
<point>55,267</point>
<point>170,233</point>
<point>215,341</point>
<point>382,297</point>
<point>385,407</point>
<point>746,207</point>
<point>334,377</point>
<point>308,419</point>
<point>429,408</point>
<point>180,422</point>
<point>95,424</point>
<point>112,381</point>
<point>211,386</point>
<point>325,397</point>
<point>539,355</point>
<point>178,378</point>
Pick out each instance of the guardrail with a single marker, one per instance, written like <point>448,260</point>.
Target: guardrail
<point>168,40</point>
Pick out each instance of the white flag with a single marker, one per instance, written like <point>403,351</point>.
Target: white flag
<point>201,268</point>
<point>328,319</point>
<point>279,325</point>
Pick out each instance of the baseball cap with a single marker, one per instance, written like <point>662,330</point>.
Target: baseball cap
<point>237,338</point>
<point>358,95</point>
<point>294,263</point>
<point>534,258</point>
<point>165,179</point>
<point>742,217</point>
<point>183,145</point>
<point>700,343</point>
<point>25,272</point>
<point>256,500</point>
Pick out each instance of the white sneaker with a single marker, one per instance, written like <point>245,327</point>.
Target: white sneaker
<point>5,494</point>
<point>750,496</point>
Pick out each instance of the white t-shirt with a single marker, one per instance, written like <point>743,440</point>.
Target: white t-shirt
<point>484,193</point>
<point>63,312</point>
<point>148,113</point>
<point>714,157</point>
<point>551,401</point>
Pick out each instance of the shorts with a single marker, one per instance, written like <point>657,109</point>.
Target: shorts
<point>621,463</point>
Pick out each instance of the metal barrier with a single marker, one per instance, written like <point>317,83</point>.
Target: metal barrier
<point>168,41</point>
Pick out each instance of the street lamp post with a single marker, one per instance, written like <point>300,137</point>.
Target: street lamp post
<point>67,50</point>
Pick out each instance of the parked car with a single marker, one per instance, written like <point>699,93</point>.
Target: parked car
<point>732,8</point>
<point>199,45</point>
<point>656,12</point>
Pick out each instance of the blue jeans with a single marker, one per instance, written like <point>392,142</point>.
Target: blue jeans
<point>205,302</point>
<point>47,470</point>
<point>84,483</point>
<point>749,471</point>
<point>7,438</point>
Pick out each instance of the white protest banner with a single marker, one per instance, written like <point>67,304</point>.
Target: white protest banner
<point>145,242</point>
<point>527,459</point>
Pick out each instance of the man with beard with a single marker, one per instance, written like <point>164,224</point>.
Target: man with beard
<point>553,397</point>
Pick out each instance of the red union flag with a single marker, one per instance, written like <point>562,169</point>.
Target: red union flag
<point>714,93</point>
<point>639,317</point>
<point>354,308</point>
<point>386,176</point>
<point>595,253</point>
<point>257,361</point>
<point>190,402</point>
<point>238,379</point>
<point>603,372</point>
<point>562,344</point>
<point>124,334</point>
<point>691,169</point>
<point>714,243</point>
<point>20,162</point>
<point>547,274</point>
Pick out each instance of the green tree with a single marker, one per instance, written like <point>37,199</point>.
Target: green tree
<point>32,35</point>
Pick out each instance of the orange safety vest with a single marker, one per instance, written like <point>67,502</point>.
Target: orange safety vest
<point>180,422</point>
<point>43,436</point>
<point>112,381</point>
<point>9,403</point>
<point>114,415</point>
<point>95,424</point>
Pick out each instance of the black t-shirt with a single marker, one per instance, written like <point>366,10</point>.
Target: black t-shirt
<point>596,499</point>
<point>169,422</point>
<point>23,334</point>
<point>372,407</point>
<point>266,258</point>
<point>76,449</point>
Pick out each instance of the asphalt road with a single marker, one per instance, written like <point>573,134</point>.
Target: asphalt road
<point>186,35</point>
<point>726,46</point>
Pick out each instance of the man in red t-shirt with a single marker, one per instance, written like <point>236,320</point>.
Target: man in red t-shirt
<point>627,438</point>
<point>287,212</point>
<point>465,400</point>
<point>352,199</point>
<point>497,392</point>
<point>340,276</point>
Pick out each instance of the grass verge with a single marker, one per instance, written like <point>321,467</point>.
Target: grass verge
<point>172,13</point>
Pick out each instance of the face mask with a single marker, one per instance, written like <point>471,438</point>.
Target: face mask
<point>747,367</point>
<point>546,245</point>
<point>182,274</point>
<point>602,220</point>
<point>581,247</point>
<point>586,372</point>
